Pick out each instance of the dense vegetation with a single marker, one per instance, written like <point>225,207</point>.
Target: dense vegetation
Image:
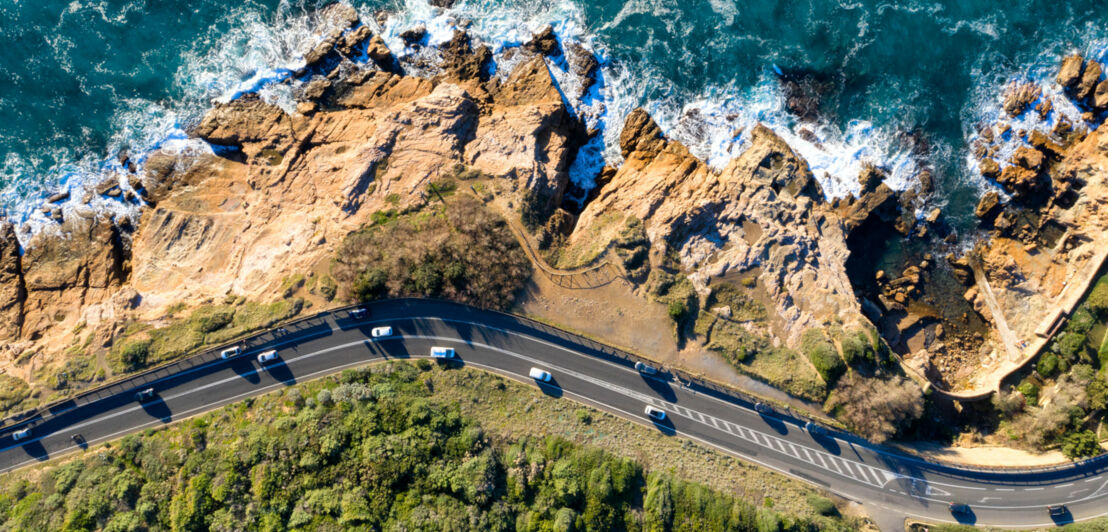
<point>371,449</point>
<point>459,250</point>
<point>1061,400</point>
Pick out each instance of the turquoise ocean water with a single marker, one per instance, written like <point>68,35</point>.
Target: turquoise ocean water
<point>901,84</point>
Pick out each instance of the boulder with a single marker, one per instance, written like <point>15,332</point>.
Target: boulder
<point>462,62</point>
<point>249,124</point>
<point>379,52</point>
<point>1100,96</point>
<point>1019,96</point>
<point>926,182</point>
<point>1028,158</point>
<point>584,65</point>
<point>989,169</point>
<point>1070,72</point>
<point>987,206</point>
<point>544,42</point>
<point>414,35</point>
<point>933,216</point>
<point>1019,181</point>
<point>1043,143</point>
<point>1089,80</point>
<point>870,177</point>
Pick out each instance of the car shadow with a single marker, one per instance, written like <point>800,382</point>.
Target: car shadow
<point>245,369</point>
<point>156,408</point>
<point>36,450</point>
<point>1064,519</point>
<point>81,442</point>
<point>967,517</point>
<point>665,426</point>
<point>828,442</point>
<point>280,372</point>
<point>389,349</point>
<point>776,424</point>
<point>660,387</point>
<point>551,387</point>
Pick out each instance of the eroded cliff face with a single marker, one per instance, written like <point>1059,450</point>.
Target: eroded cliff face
<point>763,212</point>
<point>282,190</point>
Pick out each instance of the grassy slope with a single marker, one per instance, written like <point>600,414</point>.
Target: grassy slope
<point>406,446</point>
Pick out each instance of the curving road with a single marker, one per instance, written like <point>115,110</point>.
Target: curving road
<point>891,485</point>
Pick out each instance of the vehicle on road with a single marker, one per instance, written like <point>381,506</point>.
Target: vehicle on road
<point>21,434</point>
<point>645,369</point>
<point>78,439</point>
<point>540,375</point>
<point>958,508</point>
<point>655,413</point>
<point>442,352</point>
<point>230,352</point>
<point>379,332</point>
<point>814,429</point>
<point>267,356</point>
<point>763,408</point>
<point>143,396</point>
<point>359,313</point>
<point>1058,510</point>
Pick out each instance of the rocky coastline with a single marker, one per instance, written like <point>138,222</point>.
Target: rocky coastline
<point>279,191</point>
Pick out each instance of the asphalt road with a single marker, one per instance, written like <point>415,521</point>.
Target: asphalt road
<point>890,484</point>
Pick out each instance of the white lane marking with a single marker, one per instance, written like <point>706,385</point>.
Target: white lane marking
<point>1063,485</point>
<point>1032,489</point>
<point>1005,489</point>
<point>1094,479</point>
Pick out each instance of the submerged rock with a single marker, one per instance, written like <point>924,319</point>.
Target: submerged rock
<point>544,42</point>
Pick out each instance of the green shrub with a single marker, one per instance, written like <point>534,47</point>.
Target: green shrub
<point>1030,392</point>
<point>13,391</point>
<point>677,311</point>
<point>1071,346</point>
<point>1098,297</point>
<point>822,505</point>
<point>206,320</point>
<point>1083,444</point>
<point>132,355</point>
<point>823,355</point>
<point>1081,322</point>
<point>1096,393</point>
<point>370,284</point>
<point>1047,365</point>
<point>460,251</point>
<point>857,349</point>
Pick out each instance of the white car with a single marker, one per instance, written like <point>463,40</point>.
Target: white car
<point>442,352</point>
<point>267,356</point>
<point>645,369</point>
<point>228,353</point>
<point>21,434</point>
<point>539,375</point>
<point>655,413</point>
<point>379,332</point>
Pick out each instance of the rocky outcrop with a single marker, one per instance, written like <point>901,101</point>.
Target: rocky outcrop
<point>282,190</point>
<point>12,291</point>
<point>763,211</point>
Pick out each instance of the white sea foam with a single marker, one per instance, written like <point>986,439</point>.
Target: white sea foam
<point>259,51</point>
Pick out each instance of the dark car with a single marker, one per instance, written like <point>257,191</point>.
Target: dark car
<point>358,313</point>
<point>763,408</point>
<point>958,508</point>
<point>1057,511</point>
<point>143,396</point>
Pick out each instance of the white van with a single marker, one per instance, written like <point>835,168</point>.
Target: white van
<point>228,353</point>
<point>21,434</point>
<point>379,332</point>
<point>267,356</point>
<point>442,352</point>
<point>540,375</point>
